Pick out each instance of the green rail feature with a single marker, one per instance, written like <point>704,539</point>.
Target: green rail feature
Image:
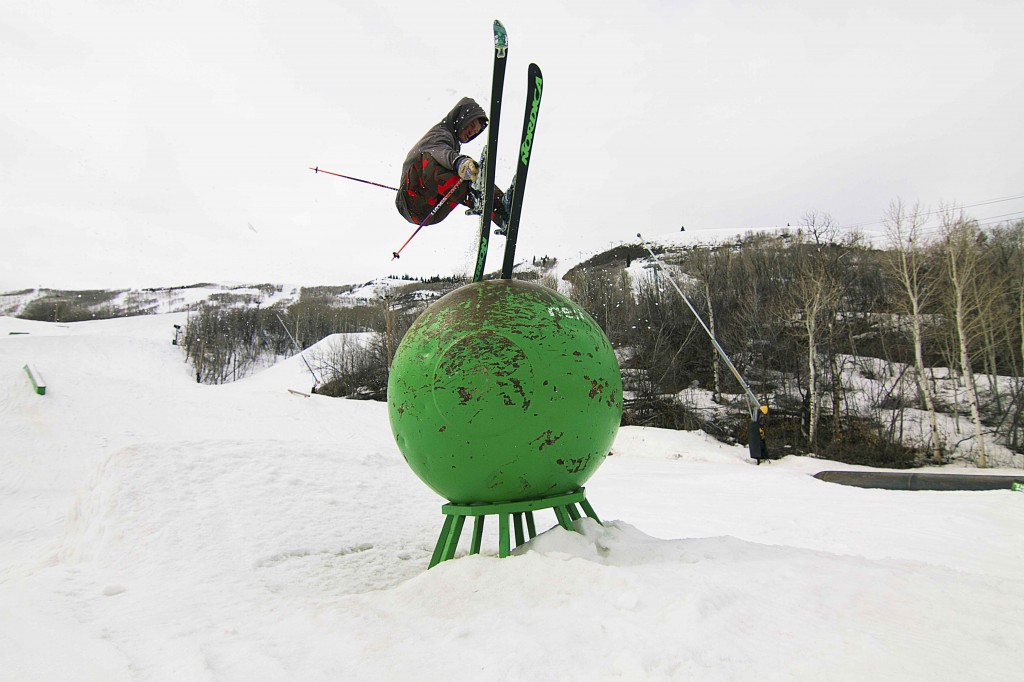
<point>36,378</point>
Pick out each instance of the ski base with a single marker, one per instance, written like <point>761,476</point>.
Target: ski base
<point>491,149</point>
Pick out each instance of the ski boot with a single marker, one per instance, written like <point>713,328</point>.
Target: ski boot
<point>503,207</point>
<point>474,198</point>
<point>500,212</point>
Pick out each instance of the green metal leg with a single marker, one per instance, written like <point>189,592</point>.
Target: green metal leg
<point>574,513</point>
<point>442,541</point>
<point>563,518</point>
<point>530,525</point>
<point>478,534</point>
<point>517,523</point>
<point>453,539</point>
<point>503,541</point>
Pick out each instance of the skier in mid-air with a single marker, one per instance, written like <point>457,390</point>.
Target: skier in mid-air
<point>435,165</point>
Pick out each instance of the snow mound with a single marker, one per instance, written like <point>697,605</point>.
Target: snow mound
<point>639,608</point>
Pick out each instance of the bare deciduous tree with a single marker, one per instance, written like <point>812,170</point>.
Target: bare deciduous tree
<point>959,248</point>
<point>813,297</point>
<point>908,268</point>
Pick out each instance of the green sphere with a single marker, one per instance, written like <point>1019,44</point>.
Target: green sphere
<point>504,391</point>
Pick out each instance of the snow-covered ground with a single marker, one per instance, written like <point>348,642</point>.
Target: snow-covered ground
<point>156,529</point>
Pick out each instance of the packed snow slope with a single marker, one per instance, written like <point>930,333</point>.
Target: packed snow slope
<point>156,529</point>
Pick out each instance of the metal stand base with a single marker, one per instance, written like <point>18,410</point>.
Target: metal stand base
<point>564,507</point>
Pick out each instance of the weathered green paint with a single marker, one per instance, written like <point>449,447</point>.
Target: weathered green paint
<point>504,391</point>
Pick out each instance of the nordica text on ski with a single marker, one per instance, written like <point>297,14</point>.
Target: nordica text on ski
<point>528,138</point>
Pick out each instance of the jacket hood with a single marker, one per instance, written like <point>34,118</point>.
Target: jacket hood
<point>465,111</point>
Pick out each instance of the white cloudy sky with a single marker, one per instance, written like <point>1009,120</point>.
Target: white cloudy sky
<point>161,143</point>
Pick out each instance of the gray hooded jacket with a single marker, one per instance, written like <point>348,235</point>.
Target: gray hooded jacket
<point>441,142</point>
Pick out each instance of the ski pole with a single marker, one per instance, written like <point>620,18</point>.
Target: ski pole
<point>317,169</point>
<point>430,215</point>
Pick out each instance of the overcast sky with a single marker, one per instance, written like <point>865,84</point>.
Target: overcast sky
<point>166,143</point>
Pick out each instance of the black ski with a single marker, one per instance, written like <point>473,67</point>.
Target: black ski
<point>534,88</point>
<point>491,151</point>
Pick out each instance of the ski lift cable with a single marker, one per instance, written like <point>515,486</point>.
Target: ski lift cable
<point>298,348</point>
<point>937,211</point>
<point>754,404</point>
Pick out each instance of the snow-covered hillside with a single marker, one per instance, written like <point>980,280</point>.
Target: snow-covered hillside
<point>155,301</point>
<point>162,301</point>
<point>155,529</point>
<point>165,300</point>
